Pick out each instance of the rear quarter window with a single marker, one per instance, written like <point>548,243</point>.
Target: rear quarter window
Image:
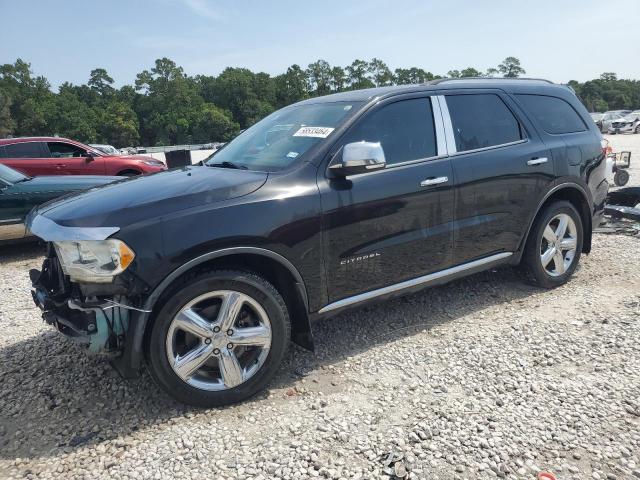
<point>553,114</point>
<point>26,150</point>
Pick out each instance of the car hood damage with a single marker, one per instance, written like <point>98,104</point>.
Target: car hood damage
<point>143,198</point>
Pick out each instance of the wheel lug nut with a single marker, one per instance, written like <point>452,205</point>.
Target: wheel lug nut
<point>207,341</point>
<point>229,332</point>
<point>216,329</point>
<point>230,346</point>
<point>216,351</point>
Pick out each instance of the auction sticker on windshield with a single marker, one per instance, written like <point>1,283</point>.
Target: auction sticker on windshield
<point>319,132</point>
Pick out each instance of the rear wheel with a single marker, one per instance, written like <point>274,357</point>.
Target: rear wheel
<point>554,245</point>
<point>219,338</point>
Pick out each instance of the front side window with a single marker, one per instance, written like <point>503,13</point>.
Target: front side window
<point>65,150</point>
<point>553,114</point>
<point>25,150</point>
<point>405,129</point>
<point>481,121</point>
<point>283,137</point>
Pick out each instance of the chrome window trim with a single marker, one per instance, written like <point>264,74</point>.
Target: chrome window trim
<point>448,126</point>
<point>492,147</point>
<point>50,231</point>
<point>441,144</point>
<point>423,280</point>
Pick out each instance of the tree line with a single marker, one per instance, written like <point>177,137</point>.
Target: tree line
<point>167,107</point>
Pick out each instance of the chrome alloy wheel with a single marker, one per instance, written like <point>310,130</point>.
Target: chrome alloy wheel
<point>558,246</point>
<point>218,340</point>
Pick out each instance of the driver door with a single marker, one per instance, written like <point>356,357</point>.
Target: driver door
<point>394,224</point>
<point>69,159</point>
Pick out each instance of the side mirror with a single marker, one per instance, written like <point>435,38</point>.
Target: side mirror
<point>358,157</point>
<point>89,156</point>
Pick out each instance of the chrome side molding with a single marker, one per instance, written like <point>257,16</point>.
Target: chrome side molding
<point>423,280</point>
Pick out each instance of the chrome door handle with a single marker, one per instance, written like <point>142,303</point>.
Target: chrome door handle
<point>537,161</point>
<point>433,181</point>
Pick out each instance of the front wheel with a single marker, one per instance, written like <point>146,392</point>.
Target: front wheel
<point>219,338</point>
<point>554,245</point>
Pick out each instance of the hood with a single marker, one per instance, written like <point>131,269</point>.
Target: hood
<point>151,196</point>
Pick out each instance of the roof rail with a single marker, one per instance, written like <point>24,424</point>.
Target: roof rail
<point>443,80</point>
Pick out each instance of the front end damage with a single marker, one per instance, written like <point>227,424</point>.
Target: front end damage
<point>98,317</point>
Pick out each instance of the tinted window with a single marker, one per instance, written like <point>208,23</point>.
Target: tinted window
<point>553,114</point>
<point>25,150</point>
<point>65,150</point>
<point>2,152</point>
<point>405,130</point>
<point>481,121</point>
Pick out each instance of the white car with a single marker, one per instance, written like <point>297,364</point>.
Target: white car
<point>108,149</point>
<point>630,123</point>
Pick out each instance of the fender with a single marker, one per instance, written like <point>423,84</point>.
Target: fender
<point>129,362</point>
<point>553,190</point>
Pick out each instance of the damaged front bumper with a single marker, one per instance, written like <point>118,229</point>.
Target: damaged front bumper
<point>100,323</point>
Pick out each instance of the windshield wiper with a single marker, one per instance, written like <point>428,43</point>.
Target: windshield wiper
<point>228,165</point>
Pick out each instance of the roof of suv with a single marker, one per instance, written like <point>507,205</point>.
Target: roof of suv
<point>507,84</point>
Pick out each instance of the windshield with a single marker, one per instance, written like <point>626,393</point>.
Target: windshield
<point>9,175</point>
<point>278,140</point>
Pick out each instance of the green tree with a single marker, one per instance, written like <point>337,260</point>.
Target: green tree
<point>6,122</point>
<point>319,77</point>
<point>291,86</point>
<point>338,79</point>
<point>100,81</point>
<point>357,75</point>
<point>510,68</point>
<point>413,75</point>
<point>118,125</point>
<point>379,72</point>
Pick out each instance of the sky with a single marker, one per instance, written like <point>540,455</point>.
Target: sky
<point>560,40</point>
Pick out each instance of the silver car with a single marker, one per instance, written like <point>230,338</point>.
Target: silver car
<point>628,124</point>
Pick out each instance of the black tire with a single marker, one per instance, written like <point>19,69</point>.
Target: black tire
<point>129,173</point>
<point>621,178</point>
<point>191,287</point>
<point>531,262</point>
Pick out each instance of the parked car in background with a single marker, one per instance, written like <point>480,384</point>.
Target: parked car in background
<point>630,123</point>
<point>106,149</point>
<point>608,118</point>
<point>19,193</point>
<point>60,156</point>
<point>208,272</point>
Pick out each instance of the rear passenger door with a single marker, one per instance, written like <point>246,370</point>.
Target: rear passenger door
<point>30,158</point>
<point>501,168</point>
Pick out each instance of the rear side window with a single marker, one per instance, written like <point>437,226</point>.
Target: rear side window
<point>26,150</point>
<point>481,121</point>
<point>2,152</point>
<point>554,115</point>
<point>405,130</point>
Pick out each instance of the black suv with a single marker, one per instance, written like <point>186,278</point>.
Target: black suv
<point>206,272</point>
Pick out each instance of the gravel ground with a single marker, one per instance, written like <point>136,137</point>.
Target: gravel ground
<point>485,377</point>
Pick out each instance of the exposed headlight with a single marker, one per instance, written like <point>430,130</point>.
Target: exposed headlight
<point>94,261</point>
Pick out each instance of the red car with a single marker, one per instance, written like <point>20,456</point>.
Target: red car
<point>60,156</point>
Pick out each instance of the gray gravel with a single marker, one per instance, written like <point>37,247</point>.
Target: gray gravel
<point>486,377</point>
